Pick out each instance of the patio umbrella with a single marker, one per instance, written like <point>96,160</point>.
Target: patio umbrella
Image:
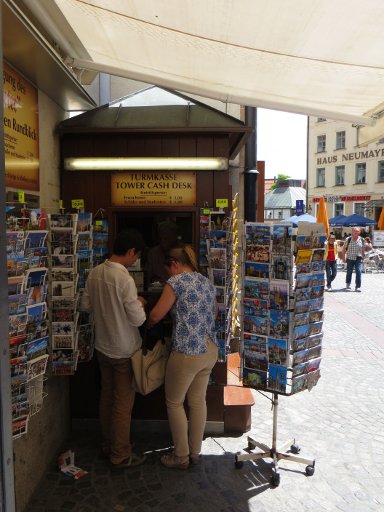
<point>358,220</point>
<point>337,221</point>
<point>322,215</point>
<point>380,223</point>
<point>300,218</point>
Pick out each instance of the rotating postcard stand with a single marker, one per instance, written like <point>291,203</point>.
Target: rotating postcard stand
<point>282,311</point>
<point>287,451</point>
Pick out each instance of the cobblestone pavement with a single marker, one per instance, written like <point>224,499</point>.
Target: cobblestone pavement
<point>339,423</point>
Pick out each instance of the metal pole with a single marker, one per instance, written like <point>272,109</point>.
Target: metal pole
<point>7,484</point>
<point>250,167</point>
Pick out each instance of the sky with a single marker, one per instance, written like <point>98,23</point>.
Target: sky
<point>282,143</point>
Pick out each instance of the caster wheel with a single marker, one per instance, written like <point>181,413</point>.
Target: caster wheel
<point>275,479</point>
<point>239,464</point>
<point>309,470</point>
<point>295,448</point>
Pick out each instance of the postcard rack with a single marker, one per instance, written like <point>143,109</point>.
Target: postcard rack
<point>288,451</point>
<point>282,317</point>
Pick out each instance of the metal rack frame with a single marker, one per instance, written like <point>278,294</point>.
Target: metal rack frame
<point>288,451</point>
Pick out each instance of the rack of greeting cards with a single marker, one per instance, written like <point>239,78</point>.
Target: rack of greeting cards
<point>26,252</point>
<point>213,260</point>
<point>70,260</point>
<point>283,274</point>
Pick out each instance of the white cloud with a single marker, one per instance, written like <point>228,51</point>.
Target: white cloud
<point>282,143</point>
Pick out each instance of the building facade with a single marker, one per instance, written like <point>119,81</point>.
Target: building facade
<point>351,178</point>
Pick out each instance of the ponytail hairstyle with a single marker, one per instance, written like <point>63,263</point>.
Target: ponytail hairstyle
<point>184,255</point>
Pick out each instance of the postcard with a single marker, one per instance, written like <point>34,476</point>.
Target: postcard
<point>318,254</point>
<point>17,304</point>
<point>279,295</point>
<point>37,347</point>
<point>256,325</point>
<point>35,277</point>
<point>317,292</point>
<point>318,266</point>
<point>314,364</point>
<point>277,378</point>
<point>303,281</point>
<point>37,312</point>
<point>303,256</point>
<point>303,242</point>
<point>257,253</point>
<point>37,366</point>
<point>257,233</point>
<point>281,267</point>
<point>17,324</point>
<point>277,351</point>
<point>281,239</point>
<point>63,261</point>
<point>315,340</point>
<point>301,331</point>
<point>318,279</point>
<point>255,343</point>
<point>15,243</point>
<point>279,323</point>
<point>312,379</point>
<point>303,268</point>
<point>63,221</point>
<point>300,357</point>
<point>301,306</point>
<point>260,270</point>
<point>316,316</point>
<point>256,288</point>
<point>35,239</point>
<point>256,307</point>
<point>84,222</point>
<point>254,378</point>
<point>64,341</point>
<point>255,360</point>
<point>37,294</point>
<point>299,383</point>
<point>299,344</point>
<point>16,266</point>
<point>317,303</point>
<point>299,369</point>
<point>302,294</point>
<point>63,289</point>
<point>301,319</point>
<point>86,342</point>
<point>314,352</point>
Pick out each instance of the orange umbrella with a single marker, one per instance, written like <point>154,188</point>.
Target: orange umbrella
<point>322,215</point>
<point>380,223</point>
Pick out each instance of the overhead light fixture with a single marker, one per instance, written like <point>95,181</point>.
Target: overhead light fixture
<point>145,164</point>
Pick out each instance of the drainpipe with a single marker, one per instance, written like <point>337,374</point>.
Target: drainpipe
<point>250,167</point>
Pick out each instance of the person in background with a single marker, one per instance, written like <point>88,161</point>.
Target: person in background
<point>367,245</point>
<point>191,298</point>
<point>155,267</point>
<point>331,260</point>
<point>110,295</point>
<point>353,254</point>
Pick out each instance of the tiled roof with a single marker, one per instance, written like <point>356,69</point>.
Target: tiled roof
<point>284,197</point>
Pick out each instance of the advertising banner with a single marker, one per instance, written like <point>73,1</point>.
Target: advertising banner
<point>21,137</point>
<point>153,189</point>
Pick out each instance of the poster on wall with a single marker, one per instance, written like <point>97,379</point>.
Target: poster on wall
<point>21,132</point>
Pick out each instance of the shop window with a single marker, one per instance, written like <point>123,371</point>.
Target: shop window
<point>339,209</point>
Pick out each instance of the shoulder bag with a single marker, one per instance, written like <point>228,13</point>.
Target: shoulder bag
<point>149,365</point>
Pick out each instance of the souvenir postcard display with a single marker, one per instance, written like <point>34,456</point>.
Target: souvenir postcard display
<point>70,260</point>
<point>213,261</point>
<point>27,268</point>
<point>283,306</point>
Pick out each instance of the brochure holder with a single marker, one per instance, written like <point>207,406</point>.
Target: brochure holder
<point>288,451</point>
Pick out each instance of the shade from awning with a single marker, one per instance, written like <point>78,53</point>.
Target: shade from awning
<point>322,58</point>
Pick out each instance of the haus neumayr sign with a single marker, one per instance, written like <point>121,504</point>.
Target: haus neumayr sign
<point>348,157</point>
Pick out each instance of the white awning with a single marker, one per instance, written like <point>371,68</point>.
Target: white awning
<point>323,58</point>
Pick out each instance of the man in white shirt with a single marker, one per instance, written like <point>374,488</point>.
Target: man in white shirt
<point>111,296</point>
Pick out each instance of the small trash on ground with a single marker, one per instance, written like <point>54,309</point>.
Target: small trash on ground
<point>67,465</point>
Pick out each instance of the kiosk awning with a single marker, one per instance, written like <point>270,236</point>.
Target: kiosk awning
<point>322,58</point>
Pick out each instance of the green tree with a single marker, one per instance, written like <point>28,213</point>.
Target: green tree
<point>280,178</point>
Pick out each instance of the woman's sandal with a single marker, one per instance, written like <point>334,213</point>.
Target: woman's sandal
<point>174,462</point>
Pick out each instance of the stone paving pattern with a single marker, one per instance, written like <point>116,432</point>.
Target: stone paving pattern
<point>339,423</point>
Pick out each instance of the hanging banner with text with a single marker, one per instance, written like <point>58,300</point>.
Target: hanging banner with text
<point>153,189</point>
<point>21,139</point>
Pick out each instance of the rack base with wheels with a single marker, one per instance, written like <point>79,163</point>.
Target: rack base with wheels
<point>288,451</point>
